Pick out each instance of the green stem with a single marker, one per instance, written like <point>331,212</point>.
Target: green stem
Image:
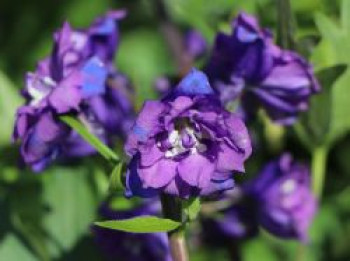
<point>105,151</point>
<point>318,169</point>
<point>285,25</point>
<point>173,209</point>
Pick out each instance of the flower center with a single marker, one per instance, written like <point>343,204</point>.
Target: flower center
<point>39,88</point>
<point>185,140</point>
<point>288,186</point>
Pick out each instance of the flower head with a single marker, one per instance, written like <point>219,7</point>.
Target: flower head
<point>186,144</point>
<point>285,203</point>
<point>70,80</point>
<point>248,65</point>
<point>131,246</point>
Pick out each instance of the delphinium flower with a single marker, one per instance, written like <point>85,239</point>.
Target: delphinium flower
<point>118,245</point>
<point>284,201</point>
<point>186,144</point>
<point>248,67</point>
<point>78,71</point>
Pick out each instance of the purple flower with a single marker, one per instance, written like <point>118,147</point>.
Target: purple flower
<point>248,65</point>
<point>284,202</point>
<point>186,144</point>
<point>131,246</point>
<point>78,77</point>
<point>195,44</point>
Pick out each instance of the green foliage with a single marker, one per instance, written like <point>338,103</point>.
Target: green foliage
<point>316,122</point>
<point>115,181</point>
<point>11,249</point>
<point>143,55</point>
<point>9,102</point>
<point>72,204</point>
<point>331,51</point>
<point>141,224</point>
<point>258,248</point>
<point>192,207</point>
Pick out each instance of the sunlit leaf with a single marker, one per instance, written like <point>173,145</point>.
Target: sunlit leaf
<point>142,224</point>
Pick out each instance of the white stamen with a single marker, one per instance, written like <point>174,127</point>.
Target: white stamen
<point>176,143</point>
<point>288,186</point>
<point>173,137</point>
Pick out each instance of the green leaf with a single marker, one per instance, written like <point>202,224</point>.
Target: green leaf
<point>9,102</point>
<point>285,25</point>
<point>142,224</point>
<point>115,181</point>
<point>11,249</point>
<point>72,202</point>
<point>333,50</point>
<point>316,121</point>
<point>105,151</point>
<point>192,208</point>
<point>258,248</point>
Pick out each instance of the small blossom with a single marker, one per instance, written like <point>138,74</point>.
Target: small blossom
<point>131,246</point>
<point>284,201</point>
<point>186,144</point>
<point>247,65</point>
<point>78,77</point>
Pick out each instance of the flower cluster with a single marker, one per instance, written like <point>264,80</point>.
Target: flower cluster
<point>78,77</point>
<point>186,144</point>
<point>249,68</point>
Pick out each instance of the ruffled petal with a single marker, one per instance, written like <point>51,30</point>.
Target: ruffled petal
<point>159,174</point>
<point>196,170</point>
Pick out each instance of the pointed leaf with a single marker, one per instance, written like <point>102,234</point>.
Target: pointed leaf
<point>316,122</point>
<point>142,224</point>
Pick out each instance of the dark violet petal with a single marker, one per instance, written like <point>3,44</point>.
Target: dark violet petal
<point>218,186</point>
<point>178,187</point>
<point>134,185</point>
<point>41,140</point>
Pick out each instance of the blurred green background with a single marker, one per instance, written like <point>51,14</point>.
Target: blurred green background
<point>48,216</point>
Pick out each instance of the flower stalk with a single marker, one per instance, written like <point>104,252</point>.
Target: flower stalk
<point>318,166</point>
<point>285,25</point>
<point>173,209</point>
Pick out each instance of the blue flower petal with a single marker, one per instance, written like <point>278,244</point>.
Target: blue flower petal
<point>106,27</point>
<point>195,83</point>
<point>94,77</point>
